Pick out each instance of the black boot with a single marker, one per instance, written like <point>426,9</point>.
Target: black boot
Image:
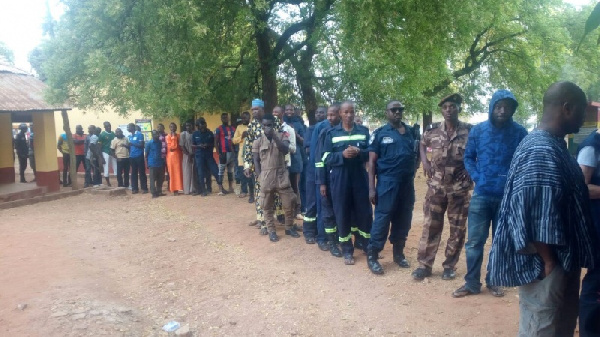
<point>372,262</point>
<point>334,249</point>
<point>399,258</point>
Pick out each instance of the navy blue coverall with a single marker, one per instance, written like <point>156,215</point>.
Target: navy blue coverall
<point>325,215</point>
<point>205,162</point>
<point>348,183</point>
<point>395,171</point>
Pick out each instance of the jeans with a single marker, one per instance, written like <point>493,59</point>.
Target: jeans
<point>483,210</point>
<point>92,173</point>
<point>157,177</point>
<point>122,172</point>
<point>138,167</point>
<point>206,165</point>
<point>79,159</point>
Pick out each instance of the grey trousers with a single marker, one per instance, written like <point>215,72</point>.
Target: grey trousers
<point>550,307</point>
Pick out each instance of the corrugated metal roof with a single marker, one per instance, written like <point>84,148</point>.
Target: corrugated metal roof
<point>20,91</point>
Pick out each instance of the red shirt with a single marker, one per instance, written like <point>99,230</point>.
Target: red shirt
<point>79,147</point>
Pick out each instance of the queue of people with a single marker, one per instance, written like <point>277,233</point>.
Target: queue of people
<point>538,202</point>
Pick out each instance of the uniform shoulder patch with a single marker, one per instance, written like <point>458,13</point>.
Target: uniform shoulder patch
<point>387,140</point>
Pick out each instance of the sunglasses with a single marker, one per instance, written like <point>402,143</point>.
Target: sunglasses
<point>396,110</point>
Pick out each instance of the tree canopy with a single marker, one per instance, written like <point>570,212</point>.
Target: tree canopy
<point>7,53</point>
<point>180,57</point>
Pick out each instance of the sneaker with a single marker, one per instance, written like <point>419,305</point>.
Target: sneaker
<point>251,200</point>
<point>448,274</point>
<point>334,249</point>
<point>463,291</point>
<point>421,273</point>
<point>273,237</point>
<point>496,291</point>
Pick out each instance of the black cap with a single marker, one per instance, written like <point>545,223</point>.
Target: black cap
<point>455,98</point>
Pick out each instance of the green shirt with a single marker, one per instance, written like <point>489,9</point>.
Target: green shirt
<point>105,138</point>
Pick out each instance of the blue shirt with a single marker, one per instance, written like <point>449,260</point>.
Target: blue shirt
<point>154,153</point>
<point>490,149</point>
<point>207,138</point>
<point>546,200</point>
<point>136,139</point>
<point>338,139</point>
<point>395,152</point>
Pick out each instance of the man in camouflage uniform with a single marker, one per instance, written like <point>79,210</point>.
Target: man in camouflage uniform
<point>449,185</point>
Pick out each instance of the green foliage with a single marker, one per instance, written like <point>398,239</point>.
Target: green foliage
<point>7,53</point>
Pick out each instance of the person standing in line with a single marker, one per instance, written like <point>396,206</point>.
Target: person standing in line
<point>203,141</point>
<point>95,156</point>
<point>247,183</point>
<point>79,142</point>
<point>188,166</point>
<point>588,158</point>
<point>105,139</point>
<point>489,150</point>
<point>63,147</point>
<point>296,157</point>
<point>224,145</point>
<point>309,227</point>
<point>345,154</point>
<point>136,160</point>
<point>545,231</point>
<point>268,153</point>
<point>448,189</point>
<point>155,163</point>
<point>162,136</point>
<point>88,163</point>
<point>119,147</point>
<point>22,150</point>
<point>174,159</point>
<point>392,161</point>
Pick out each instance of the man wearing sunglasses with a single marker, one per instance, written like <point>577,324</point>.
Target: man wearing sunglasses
<point>449,185</point>
<point>392,160</point>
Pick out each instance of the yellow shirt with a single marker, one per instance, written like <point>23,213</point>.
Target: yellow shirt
<point>238,140</point>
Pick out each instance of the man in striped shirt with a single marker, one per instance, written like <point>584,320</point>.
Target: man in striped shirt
<point>545,234</point>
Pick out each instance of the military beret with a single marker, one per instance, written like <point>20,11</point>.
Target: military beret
<point>455,98</point>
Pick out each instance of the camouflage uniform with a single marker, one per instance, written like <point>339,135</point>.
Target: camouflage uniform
<point>448,190</point>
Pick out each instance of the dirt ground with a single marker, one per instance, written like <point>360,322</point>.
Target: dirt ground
<point>125,266</point>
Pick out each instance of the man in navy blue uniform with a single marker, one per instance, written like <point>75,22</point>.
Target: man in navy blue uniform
<point>310,218</point>
<point>392,160</point>
<point>345,155</point>
<point>203,142</point>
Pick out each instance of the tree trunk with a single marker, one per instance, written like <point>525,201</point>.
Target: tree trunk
<point>427,119</point>
<point>268,69</point>
<point>72,168</point>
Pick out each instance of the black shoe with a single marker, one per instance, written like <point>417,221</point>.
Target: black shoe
<point>273,237</point>
<point>263,231</point>
<point>348,259</point>
<point>310,240</point>
<point>144,191</point>
<point>373,264</point>
<point>251,200</point>
<point>297,228</point>
<point>334,249</point>
<point>292,232</point>
<point>358,244</point>
<point>420,273</point>
<point>399,257</point>
<point>154,196</point>
<point>133,192</point>
<point>448,274</point>
<point>323,246</point>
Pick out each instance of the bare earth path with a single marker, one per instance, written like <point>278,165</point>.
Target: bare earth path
<point>93,266</point>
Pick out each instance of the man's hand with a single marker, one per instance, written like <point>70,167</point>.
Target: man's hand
<point>247,173</point>
<point>351,152</point>
<point>427,168</point>
<point>548,268</point>
<point>323,190</point>
<point>373,196</point>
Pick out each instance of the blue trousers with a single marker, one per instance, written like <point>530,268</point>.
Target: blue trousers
<point>206,166</point>
<point>350,198</point>
<point>309,226</point>
<point>589,305</point>
<point>395,204</point>
<point>483,211</point>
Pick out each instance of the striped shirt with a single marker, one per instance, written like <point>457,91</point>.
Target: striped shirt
<point>545,200</point>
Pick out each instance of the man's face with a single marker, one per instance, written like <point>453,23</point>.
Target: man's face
<point>119,133</point>
<point>267,126</point>
<point>161,128</point>
<point>320,114</point>
<point>333,115</point>
<point>503,111</point>
<point>394,112</point>
<point>189,127</point>
<point>245,119</point>
<point>202,126</point>
<point>347,113</point>
<point>358,120</point>
<point>450,111</point>
<point>79,130</point>
<point>23,128</point>
<point>155,135</point>
<point>97,131</point>
<point>225,119</point>
<point>289,110</point>
<point>258,112</point>
<point>575,117</point>
<point>278,112</point>
<point>91,129</point>
<point>172,127</point>
<point>107,126</point>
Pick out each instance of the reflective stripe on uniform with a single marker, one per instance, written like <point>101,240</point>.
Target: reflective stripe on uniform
<point>348,138</point>
<point>308,219</point>
<point>319,164</point>
<point>331,230</point>
<point>364,235</point>
<point>325,156</point>
<point>354,229</point>
<point>346,238</point>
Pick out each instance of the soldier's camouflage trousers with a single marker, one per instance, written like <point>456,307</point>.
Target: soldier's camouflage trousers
<point>438,202</point>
